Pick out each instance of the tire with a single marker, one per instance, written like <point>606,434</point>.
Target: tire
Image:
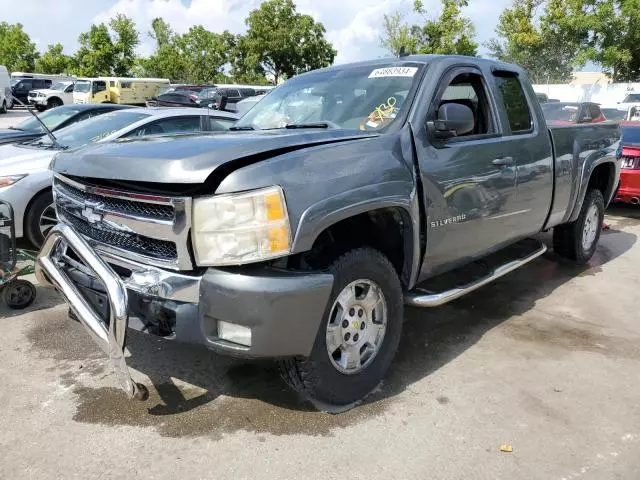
<point>322,377</point>
<point>40,108</point>
<point>19,294</point>
<point>3,108</point>
<point>40,206</point>
<point>54,102</point>
<point>577,241</point>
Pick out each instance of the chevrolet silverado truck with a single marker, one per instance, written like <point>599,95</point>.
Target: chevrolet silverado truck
<point>344,195</point>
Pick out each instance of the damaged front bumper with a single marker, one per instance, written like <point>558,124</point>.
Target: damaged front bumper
<point>110,335</point>
<point>109,294</point>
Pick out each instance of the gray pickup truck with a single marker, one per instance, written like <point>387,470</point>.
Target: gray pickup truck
<point>342,196</point>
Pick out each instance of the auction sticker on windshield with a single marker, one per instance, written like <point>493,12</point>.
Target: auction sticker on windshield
<point>393,72</point>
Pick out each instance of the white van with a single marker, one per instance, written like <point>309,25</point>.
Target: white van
<point>5,90</point>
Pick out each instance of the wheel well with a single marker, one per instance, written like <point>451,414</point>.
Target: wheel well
<point>30,204</point>
<point>602,179</point>
<point>388,230</point>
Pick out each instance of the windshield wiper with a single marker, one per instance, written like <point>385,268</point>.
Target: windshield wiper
<point>241,127</point>
<point>16,128</point>
<point>54,140</point>
<point>307,125</point>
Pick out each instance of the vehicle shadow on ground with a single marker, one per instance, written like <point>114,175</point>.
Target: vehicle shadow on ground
<point>250,395</point>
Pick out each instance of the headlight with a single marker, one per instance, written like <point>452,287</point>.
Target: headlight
<point>41,94</point>
<point>10,179</point>
<point>241,227</point>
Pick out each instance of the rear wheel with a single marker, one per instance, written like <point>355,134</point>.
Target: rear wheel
<point>41,218</point>
<point>19,294</point>
<point>578,240</point>
<point>359,333</point>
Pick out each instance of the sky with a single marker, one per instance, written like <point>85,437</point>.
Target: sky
<point>353,26</point>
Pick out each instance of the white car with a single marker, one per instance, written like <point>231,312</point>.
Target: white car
<point>60,93</point>
<point>25,178</point>
<point>5,90</point>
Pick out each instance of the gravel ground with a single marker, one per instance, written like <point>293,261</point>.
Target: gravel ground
<point>545,360</point>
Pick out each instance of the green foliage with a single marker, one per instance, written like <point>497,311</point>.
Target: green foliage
<point>95,57</point>
<point>544,50</point>
<point>205,54</point>
<point>451,33</point>
<point>17,52</point>
<point>284,42</point>
<point>161,32</point>
<point>125,40</point>
<point>54,60</point>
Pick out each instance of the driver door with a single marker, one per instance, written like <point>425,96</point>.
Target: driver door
<point>469,180</point>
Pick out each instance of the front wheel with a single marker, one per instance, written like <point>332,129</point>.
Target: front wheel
<point>359,333</point>
<point>578,240</point>
<point>54,102</point>
<point>41,218</point>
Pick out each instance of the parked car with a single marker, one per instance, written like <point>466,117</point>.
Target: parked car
<point>5,90</point>
<point>20,87</point>
<point>300,239</point>
<point>55,119</point>
<point>60,93</point>
<point>127,91</point>
<point>176,98</point>
<point>629,186</point>
<point>614,114</point>
<point>25,180</point>
<point>208,96</point>
<point>564,113</point>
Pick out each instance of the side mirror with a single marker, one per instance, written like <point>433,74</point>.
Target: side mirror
<point>454,120</point>
<point>220,100</point>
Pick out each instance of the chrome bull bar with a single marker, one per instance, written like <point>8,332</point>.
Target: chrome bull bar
<point>110,338</point>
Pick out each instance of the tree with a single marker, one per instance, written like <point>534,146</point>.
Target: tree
<point>205,54</point>
<point>283,42</point>
<point>17,51</point>
<point>54,60</point>
<point>125,40</point>
<point>161,32</point>
<point>96,54</point>
<point>449,33</point>
<point>544,50</point>
<point>397,35</point>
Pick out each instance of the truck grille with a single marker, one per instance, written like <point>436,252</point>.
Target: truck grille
<point>139,244</point>
<point>147,210</point>
<point>146,228</point>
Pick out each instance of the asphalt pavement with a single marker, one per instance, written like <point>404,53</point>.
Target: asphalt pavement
<point>545,360</point>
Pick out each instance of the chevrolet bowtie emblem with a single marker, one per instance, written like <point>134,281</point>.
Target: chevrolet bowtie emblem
<point>91,216</point>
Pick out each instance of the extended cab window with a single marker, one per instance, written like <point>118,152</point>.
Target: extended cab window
<point>515,102</point>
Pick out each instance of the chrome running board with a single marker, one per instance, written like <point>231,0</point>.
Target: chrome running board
<point>423,298</point>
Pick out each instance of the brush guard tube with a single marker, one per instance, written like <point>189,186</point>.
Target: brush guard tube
<point>109,337</point>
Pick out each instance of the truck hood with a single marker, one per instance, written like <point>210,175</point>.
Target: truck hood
<point>190,159</point>
<point>47,91</point>
<point>18,160</point>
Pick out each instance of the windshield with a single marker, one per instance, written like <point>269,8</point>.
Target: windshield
<point>632,97</point>
<point>14,81</point>
<point>614,114</point>
<point>559,112</point>
<point>206,93</point>
<point>51,118</point>
<point>59,86</point>
<point>94,129</point>
<point>359,98</point>
<point>82,86</point>
<point>631,135</point>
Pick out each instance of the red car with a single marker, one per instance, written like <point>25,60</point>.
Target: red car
<point>629,189</point>
<point>571,113</point>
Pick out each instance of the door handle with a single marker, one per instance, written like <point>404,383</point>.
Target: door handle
<point>503,161</point>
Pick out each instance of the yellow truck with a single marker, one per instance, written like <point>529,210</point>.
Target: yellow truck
<point>128,91</point>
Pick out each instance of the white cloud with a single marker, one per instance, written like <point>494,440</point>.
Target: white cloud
<point>353,26</point>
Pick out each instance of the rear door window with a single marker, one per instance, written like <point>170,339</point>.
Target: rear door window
<point>184,124</point>
<point>515,102</point>
<point>220,124</point>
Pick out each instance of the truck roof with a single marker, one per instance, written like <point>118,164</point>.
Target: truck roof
<point>425,59</point>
